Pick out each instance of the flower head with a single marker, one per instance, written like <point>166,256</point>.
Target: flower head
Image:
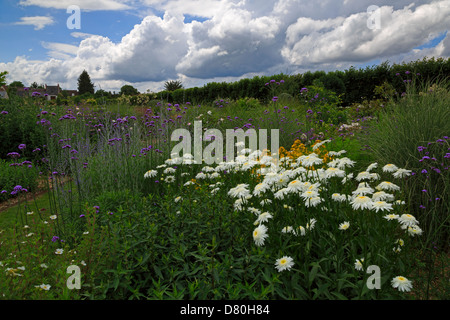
<point>260,235</point>
<point>401,283</point>
<point>408,220</point>
<point>390,168</point>
<point>344,226</point>
<point>359,264</point>
<point>263,217</point>
<point>361,202</point>
<point>284,263</point>
<point>381,205</point>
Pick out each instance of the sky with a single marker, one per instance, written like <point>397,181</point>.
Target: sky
<point>145,43</point>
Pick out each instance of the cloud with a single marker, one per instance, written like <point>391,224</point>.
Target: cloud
<point>62,50</point>
<point>86,5</point>
<point>39,22</point>
<point>82,35</point>
<point>349,39</point>
<point>239,38</point>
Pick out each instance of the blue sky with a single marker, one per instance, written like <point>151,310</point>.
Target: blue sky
<point>147,42</point>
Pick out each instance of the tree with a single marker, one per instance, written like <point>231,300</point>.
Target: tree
<point>84,83</point>
<point>16,84</point>
<point>173,85</point>
<point>3,75</point>
<point>35,85</point>
<point>128,90</point>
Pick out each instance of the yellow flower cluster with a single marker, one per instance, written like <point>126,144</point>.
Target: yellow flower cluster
<point>298,149</point>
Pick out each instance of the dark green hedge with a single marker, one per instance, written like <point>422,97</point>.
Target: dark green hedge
<point>355,85</point>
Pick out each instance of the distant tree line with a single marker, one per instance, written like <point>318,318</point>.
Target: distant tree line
<point>352,85</point>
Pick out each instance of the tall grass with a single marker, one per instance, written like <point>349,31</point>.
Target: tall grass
<point>413,131</point>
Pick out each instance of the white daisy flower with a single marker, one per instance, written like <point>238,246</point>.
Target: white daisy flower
<point>362,191</point>
<point>313,202</point>
<point>239,191</point>
<point>359,264</point>
<point>287,229</point>
<point>388,186</point>
<point>301,231</point>
<point>414,230</point>
<point>361,202</point>
<point>390,168</point>
<point>309,194</point>
<point>344,226</point>
<point>390,217</point>
<point>265,202</point>
<point>309,160</point>
<point>150,173</point>
<point>169,170</point>
<point>345,162</point>
<point>263,217</point>
<point>401,173</point>
<point>381,205</point>
<point>260,235</point>
<point>311,224</point>
<point>45,287</point>
<point>408,220</point>
<point>364,175</point>
<point>372,166</point>
<point>284,263</point>
<point>382,196</point>
<point>255,211</point>
<point>338,197</point>
<point>334,172</point>
<point>402,284</point>
<point>260,188</point>
<point>170,179</point>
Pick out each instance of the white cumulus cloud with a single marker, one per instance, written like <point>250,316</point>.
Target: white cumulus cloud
<point>236,38</point>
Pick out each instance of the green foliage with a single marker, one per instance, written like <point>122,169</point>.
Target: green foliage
<point>18,126</point>
<point>418,120</point>
<point>16,84</point>
<point>3,75</point>
<point>15,173</point>
<point>248,103</point>
<point>173,85</point>
<point>352,85</point>
<point>84,83</point>
<point>181,235</point>
<point>128,90</point>
<point>35,261</point>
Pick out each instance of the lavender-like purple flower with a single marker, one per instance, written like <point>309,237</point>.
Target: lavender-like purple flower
<point>13,155</point>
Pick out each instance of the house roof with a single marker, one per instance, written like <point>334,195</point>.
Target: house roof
<point>52,90</point>
<point>48,90</point>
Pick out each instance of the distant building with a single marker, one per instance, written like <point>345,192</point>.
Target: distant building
<point>51,92</point>
<point>48,92</point>
<point>71,93</point>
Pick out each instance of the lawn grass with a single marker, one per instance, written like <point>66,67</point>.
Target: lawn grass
<point>10,208</point>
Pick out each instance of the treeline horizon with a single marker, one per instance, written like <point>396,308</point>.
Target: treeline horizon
<point>351,85</point>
